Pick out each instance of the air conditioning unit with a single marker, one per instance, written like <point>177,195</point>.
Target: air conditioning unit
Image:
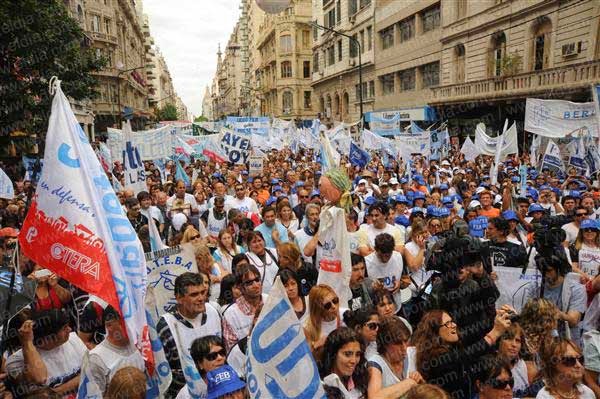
<point>352,19</point>
<point>351,62</point>
<point>571,49</point>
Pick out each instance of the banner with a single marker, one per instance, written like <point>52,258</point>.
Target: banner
<point>76,226</point>
<point>330,158</point>
<point>511,283</point>
<point>7,190</point>
<point>212,149</point>
<point>413,144</point>
<point>486,145</point>
<point>133,167</point>
<point>469,150</point>
<point>249,125</point>
<point>256,165</point>
<point>33,168</point>
<point>596,96</point>
<point>280,363</point>
<point>334,253</point>
<point>558,118</point>
<point>358,156</point>
<point>236,145</point>
<point>439,143</point>
<point>157,383</point>
<point>552,158</point>
<point>151,144</point>
<point>372,141</point>
<point>387,123</point>
<point>163,267</point>
<point>577,152</point>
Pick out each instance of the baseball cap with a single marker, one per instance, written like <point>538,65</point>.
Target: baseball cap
<point>270,201</point>
<point>416,209</point>
<point>419,179</point>
<point>474,204</point>
<point>443,212</point>
<point>535,208</point>
<point>370,200</point>
<point>418,195</point>
<point>402,220</point>
<point>446,200</point>
<point>315,193</point>
<point>403,180</point>
<point>401,199</point>
<point>276,188</point>
<point>393,181</point>
<point>223,381</point>
<point>510,215</point>
<point>274,181</point>
<point>444,186</point>
<point>445,163</point>
<point>362,181</point>
<point>589,224</point>
<point>244,172</point>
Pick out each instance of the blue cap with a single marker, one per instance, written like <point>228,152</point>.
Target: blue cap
<point>271,201</point>
<point>276,188</point>
<point>223,381</point>
<point>250,179</point>
<point>515,179</point>
<point>318,173</point>
<point>484,177</point>
<point>418,195</point>
<point>447,200</point>
<point>315,193</point>
<point>457,198</point>
<point>274,181</point>
<point>370,200</point>
<point>299,183</point>
<point>432,210</point>
<point>589,224</point>
<point>416,209</point>
<point>443,212</point>
<point>401,199</point>
<point>216,174</point>
<point>545,187</point>
<point>403,180</point>
<point>574,194</point>
<point>244,172</point>
<point>510,215</point>
<point>535,208</point>
<point>419,179</point>
<point>402,220</point>
<point>443,186</point>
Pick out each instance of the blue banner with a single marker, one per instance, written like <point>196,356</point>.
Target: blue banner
<point>358,156</point>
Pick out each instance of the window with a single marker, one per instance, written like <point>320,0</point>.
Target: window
<point>285,43</point>
<point>542,29</point>
<point>364,3</point>
<point>387,84</point>
<point>338,10</point>
<point>431,18</point>
<point>369,38</point>
<point>339,50</point>
<point>362,41</point>
<point>306,69</point>
<point>79,13</point>
<point>387,37</point>
<point>431,74</point>
<point>287,100</point>
<point>315,32</point>
<point>330,18</point>
<point>307,100</point>
<point>407,29</point>
<point>352,7</point>
<point>371,89</point>
<point>498,50</point>
<point>353,46</point>
<point>305,39</point>
<point>286,69</point>
<point>459,67</point>
<point>331,55</point>
<point>407,79</point>
<point>316,62</point>
<point>107,28</point>
<point>95,23</point>
<point>461,9</point>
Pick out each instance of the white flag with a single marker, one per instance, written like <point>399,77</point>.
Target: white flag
<point>552,159</point>
<point>469,150</point>
<point>133,167</point>
<point>6,186</point>
<point>280,363</point>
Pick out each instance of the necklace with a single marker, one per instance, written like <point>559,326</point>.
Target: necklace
<point>572,395</point>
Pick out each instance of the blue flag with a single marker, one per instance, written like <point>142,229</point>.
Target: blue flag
<point>358,156</point>
<point>181,175</point>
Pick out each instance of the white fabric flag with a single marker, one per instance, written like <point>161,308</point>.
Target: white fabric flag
<point>372,141</point>
<point>159,381</point>
<point>7,190</point>
<point>486,145</point>
<point>280,363</point>
<point>558,118</point>
<point>133,167</point>
<point>335,267</point>
<point>330,158</point>
<point>88,389</point>
<point>552,158</point>
<point>469,150</point>
<point>536,142</point>
<point>498,155</point>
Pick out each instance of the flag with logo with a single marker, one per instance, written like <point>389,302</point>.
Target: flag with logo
<point>552,159</point>
<point>76,226</point>
<point>7,190</point>
<point>469,150</point>
<point>358,156</point>
<point>133,167</point>
<point>280,363</point>
<point>577,151</point>
<point>330,158</point>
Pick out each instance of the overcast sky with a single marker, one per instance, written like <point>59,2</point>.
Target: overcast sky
<point>188,32</point>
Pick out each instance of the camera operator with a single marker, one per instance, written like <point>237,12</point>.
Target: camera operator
<point>566,293</point>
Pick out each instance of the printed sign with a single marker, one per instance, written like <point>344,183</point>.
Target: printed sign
<point>236,145</point>
<point>249,125</point>
<point>151,144</point>
<point>558,118</point>
<point>133,167</point>
<point>512,283</point>
<point>256,165</point>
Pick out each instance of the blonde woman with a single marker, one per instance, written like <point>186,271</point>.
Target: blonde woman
<point>325,315</point>
<point>191,235</point>
<point>539,320</point>
<point>226,250</point>
<point>585,251</point>
<point>206,264</point>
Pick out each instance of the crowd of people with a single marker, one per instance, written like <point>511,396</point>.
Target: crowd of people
<point>428,246</point>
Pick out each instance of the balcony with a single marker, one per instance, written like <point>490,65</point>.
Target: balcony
<point>527,84</point>
<point>103,37</point>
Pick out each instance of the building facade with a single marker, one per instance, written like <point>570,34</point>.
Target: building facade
<point>284,48</point>
<point>207,104</point>
<point>335,66</point>
<point>228,98</point>
<point>497,53</point>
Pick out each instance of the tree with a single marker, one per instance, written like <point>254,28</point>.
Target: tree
<point>200,118</point>
<point>167,113</point>
<point>39,40</point>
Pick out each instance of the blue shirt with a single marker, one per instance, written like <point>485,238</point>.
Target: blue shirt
<point>267,231</point>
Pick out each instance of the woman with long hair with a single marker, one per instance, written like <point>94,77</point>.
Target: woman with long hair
<point>539,320</point>
<point>585,251</point>
<point>510,347</point>
<point>226,249</point>
<point>365,321</point>
<point>246,226</point>
<point>343,364</point>
<point>265,259</point>
<point>388,376</point>
<point>290,281</point>
<point>286,216</point>
<point>190,234</point>
<point>562,367</point>
<point>206,264</point>
<point>441,357</point>
<point>324,316</point>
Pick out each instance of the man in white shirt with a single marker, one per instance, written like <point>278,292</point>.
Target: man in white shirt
<point>379,212</point>
<point>572,229</point>
<point>181,201</point>
<point>386,265</point>
<point>241,201</point>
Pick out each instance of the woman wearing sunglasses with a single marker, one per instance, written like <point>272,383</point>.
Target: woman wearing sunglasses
<point>510,347</point>
<point>365,321</point>
<point>495,380</point>
<point>325,315</point>
<point>388,368</point>
<point>563,371</point>
<point>585,251</point>
<point>208,354</point>
<point>343,363</point>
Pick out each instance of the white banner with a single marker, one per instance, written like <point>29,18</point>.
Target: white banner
<point>414,144</point>
<point>163,267</point>
<point>511,283</point>
<point>552,158</point>
<point>133,167</point>
<point>152,144</point>
<point>280,363</point>
<point>256,165</point>
<point>469,150</point>
<point>372,141</point>
<point>7,190</point>
<point>558,118</point>
<point>486,145</point>
<point>236,145</point>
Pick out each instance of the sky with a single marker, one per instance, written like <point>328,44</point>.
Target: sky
<point>188,33</point>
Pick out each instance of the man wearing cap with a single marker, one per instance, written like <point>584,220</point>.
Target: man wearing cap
<point>394,187</point>
<point>241,201</point>
<point>362,190</point>
<point>114,353</point>
<point>419,184</point>
<point>547,199</point>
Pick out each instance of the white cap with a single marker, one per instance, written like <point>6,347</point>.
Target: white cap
<point>393,181</point>
<point>498,199</point>
<point>362,181</point>
<point>178,220</point>
<point>479,190</point>
<point>445,162</point>
<point>474,204</point>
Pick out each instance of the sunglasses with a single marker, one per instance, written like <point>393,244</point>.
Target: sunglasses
<point>303,196</point>
<point>212,356</point>
<point>249,283</point>
<point>501,384</point>
<point>449,323</point>
<point>570,361</point>
<point>590,230</point>
<point>581,215</point>
<point>372,326</point>
<point>329,305</point>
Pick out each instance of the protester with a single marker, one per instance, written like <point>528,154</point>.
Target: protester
<point>292,285</point>
<point>325,315</point>
<point>226,250</point>
<point>495,381</point>
<point>264,259</point>
<point>365,321</point>
<point>127,383</point>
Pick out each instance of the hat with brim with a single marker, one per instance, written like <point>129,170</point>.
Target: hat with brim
<point>589,224</point>
<point>223,381</point>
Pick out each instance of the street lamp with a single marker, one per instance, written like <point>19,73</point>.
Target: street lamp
<point>357,43</point>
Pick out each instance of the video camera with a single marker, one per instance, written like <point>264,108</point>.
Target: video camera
<point>548,234</point>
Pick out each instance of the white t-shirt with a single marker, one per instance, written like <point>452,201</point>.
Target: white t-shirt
<point>584,393</point>
<point>245,204</point>
<point>62,363</point>
<point>571,231</point>
<point>394,231</point>
<point>388,273</point>
<point>189,203</point>
<point>589,260</point>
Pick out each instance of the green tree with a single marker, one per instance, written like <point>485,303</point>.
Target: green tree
<point>167,113</point>
<point>200,118</point>
<point>38,40</point>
